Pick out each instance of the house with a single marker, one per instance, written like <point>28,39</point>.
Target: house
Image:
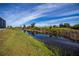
<point>2,23</point>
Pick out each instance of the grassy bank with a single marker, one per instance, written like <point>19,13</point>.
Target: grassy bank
<point>13,42</point>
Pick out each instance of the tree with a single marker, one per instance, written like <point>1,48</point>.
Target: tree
<point>24,30</point>
<point>24,27</point>
<point>61,25</point>
<point>9,27</point>
<point>75,26</point>
<point>33,24</point>
<point>54,26</point>
<point>50,27</point>
<point>66,25</point>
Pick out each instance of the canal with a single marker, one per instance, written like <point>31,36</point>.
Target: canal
<point>63,46</point>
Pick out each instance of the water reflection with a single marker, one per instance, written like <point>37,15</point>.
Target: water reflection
<point>64,45</point>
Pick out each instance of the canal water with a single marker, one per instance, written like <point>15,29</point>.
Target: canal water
<point>65,46</point>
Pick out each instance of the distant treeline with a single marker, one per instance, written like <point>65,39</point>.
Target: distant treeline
<point>65,25</point>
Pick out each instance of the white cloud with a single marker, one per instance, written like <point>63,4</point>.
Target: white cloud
<point>16,19</point>
<point>25,19</point>
<point>38,12</point>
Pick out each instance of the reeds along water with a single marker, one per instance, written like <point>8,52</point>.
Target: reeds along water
<point>74,35</point>
<point>71,34</point>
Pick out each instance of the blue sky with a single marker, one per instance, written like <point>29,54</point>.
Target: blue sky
<point>43,14</point>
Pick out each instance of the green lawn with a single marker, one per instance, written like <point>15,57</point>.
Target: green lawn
<point>15,42</point>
